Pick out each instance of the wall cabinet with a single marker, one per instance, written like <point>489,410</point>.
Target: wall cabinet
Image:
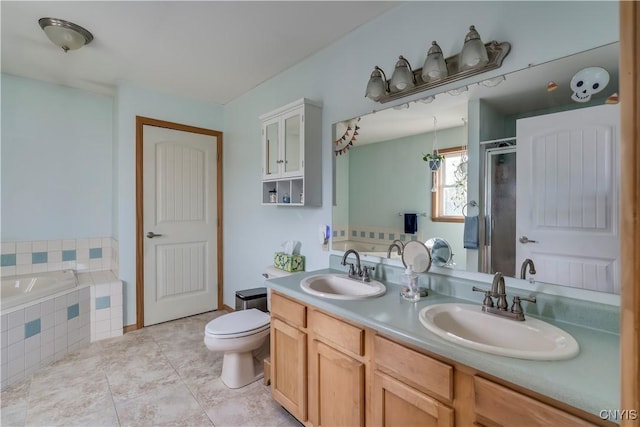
<point>330,371</point>
<point>292,155</point>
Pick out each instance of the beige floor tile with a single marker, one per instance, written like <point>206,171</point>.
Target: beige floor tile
<point>161,375</point>
<point>165,405</point>
<point>251,409</point>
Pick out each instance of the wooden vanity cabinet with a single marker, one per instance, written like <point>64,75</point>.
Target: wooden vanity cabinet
<point>288,342</point>
<point>410,388</point>
<point>333,372</point>
<point>337,371</point>
<point>496,405</point>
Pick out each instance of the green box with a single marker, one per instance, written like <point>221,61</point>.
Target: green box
<point>290,263</point>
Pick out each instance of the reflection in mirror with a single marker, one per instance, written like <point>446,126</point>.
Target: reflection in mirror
<point>383,174</point>
<point>441,254</point>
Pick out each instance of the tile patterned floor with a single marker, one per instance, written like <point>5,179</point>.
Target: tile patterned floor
<point>162,375</point>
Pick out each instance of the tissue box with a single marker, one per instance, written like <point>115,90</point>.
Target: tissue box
<point>290,263</point>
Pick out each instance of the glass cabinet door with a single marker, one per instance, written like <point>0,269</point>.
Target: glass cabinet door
<point>271,149</point>
<point>292,144</point>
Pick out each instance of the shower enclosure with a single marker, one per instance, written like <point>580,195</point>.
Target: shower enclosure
<point>499,250</point>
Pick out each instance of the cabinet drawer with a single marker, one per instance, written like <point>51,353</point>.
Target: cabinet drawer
<point>290,311</point>
<point>504,406</point>
<point>421,371</point>
<point>341,334</point>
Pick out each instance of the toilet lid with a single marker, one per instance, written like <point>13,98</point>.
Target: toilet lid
<point>238,322</point>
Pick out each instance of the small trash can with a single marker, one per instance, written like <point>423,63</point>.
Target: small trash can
<point>252,298</point>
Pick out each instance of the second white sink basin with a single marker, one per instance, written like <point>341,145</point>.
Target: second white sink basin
<point>467,325</point>
<point>340,286</point>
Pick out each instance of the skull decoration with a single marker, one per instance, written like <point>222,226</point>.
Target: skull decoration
<point>587,82</point>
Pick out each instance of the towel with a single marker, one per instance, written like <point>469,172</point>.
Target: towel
<point>410,223</point>
<point>470,236</point>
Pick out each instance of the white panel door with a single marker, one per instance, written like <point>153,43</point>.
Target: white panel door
<point>179,197</point>
<point>567,197</point>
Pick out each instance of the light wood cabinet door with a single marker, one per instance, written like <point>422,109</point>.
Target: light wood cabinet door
<point>289,368</point>
<point>500,406</point>
<point>336,387</point>
<point>397,404</point>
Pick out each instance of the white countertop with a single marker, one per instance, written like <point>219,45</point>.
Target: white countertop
<point>590,381</point>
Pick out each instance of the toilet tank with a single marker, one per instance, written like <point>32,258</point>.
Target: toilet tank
<point>272,272</point>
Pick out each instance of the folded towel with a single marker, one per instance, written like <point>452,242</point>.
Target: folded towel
<point>470,236</point>
<point>410,223</point>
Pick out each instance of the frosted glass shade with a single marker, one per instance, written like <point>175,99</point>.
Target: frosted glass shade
<point>65,34</point>
<point>474,52</point>
<point>402,77</point>
<point>377,85</point>
<point>435,67</point>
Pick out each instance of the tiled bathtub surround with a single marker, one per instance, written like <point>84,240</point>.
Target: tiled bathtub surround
<point>106,304</point>
<point>43,332</point>
<point>374,235</point>
<point>92,254</point>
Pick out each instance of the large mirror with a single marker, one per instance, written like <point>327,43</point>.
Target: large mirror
<point>382,184</point>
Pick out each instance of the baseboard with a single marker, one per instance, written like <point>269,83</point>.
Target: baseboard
<point>226,307</point>
<point>129,328</point>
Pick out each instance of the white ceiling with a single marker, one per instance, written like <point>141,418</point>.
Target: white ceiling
<point>209,50</point>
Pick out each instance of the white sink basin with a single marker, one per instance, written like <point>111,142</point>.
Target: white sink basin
<point>340,286</point>
<point>467,325</point>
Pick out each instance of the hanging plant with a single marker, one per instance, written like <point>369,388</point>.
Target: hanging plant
<point>434,159</point>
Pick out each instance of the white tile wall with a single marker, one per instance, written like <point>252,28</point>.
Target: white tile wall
<point>106,322</point>
<point>54,248</point>
<point>59,335</point>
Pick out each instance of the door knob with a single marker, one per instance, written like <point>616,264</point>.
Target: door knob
<point>151,235</point>
<point>525,239</point>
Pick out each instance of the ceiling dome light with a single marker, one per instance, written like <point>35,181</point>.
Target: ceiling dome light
<point>65,34</point>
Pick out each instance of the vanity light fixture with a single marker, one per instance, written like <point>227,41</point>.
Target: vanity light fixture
<point>65,34</point>
<point>434,68</point>
<point>402,78</point>
<point>378,85</point>
<point>468,63</point>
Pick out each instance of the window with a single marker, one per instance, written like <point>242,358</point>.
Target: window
<point>450,186</point>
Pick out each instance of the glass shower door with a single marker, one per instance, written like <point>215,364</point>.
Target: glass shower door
<point>500,214</point>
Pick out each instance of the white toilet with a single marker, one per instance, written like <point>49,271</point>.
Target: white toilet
<point>241,335</point>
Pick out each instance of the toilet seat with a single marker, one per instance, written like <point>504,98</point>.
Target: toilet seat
<point>238,324</point>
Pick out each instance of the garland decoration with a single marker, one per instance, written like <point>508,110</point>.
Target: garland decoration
<point>345,142</point>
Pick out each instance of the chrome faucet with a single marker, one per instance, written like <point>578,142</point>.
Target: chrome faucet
<point>395,244</point>
<point>523,269</point>
<point>498,290</point>
<point>357,271</point>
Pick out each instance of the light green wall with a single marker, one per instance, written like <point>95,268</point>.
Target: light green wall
<point>56,161</point>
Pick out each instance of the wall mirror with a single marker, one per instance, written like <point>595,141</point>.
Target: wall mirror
<point>379,173</point>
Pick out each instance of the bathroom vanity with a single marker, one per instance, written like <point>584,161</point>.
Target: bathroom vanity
<point>371,362</point>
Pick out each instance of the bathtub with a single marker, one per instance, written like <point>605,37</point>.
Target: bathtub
<point>18,290</point>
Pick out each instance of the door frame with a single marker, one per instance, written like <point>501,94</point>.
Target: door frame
<point>629,206</point>
<point>140,123</point>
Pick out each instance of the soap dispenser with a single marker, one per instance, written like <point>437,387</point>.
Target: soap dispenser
<point>410,290</point>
